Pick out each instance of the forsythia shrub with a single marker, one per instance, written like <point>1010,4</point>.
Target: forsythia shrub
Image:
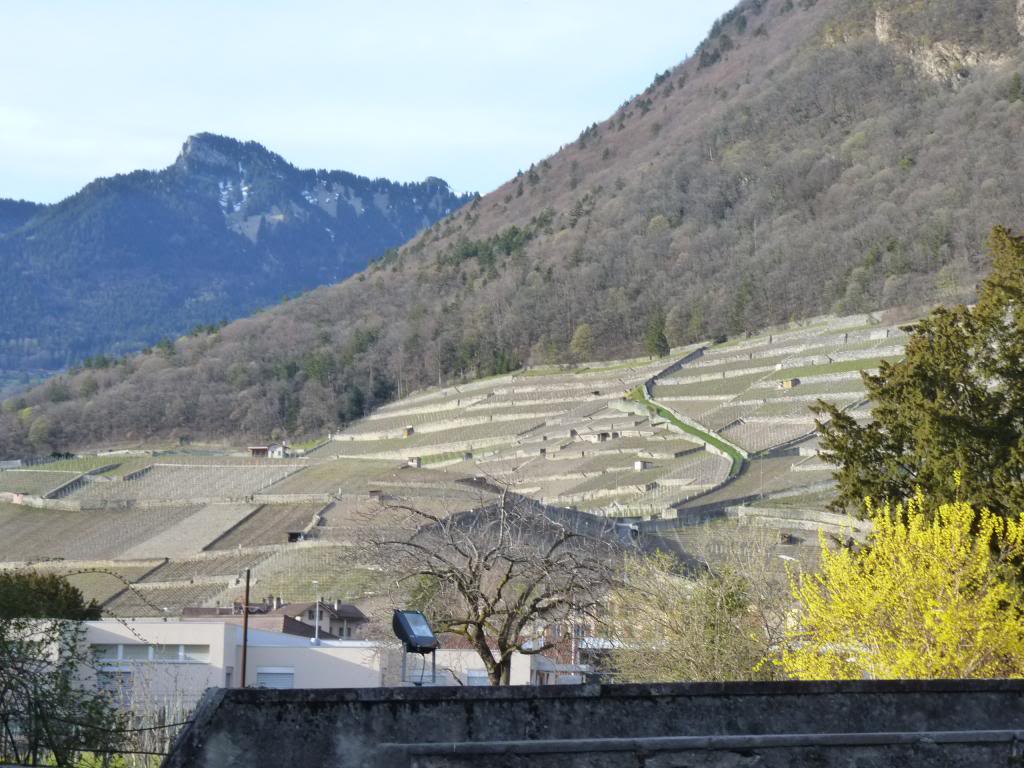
<point>932,596</point>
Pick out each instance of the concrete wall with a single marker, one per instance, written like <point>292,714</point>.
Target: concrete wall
<point>876,723</point>
<point>292,498</point>
<point>455,666</point>
<point>355,666</point>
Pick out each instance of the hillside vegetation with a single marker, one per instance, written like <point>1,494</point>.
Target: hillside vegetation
<point>722,441</point>
<point>837,155</point>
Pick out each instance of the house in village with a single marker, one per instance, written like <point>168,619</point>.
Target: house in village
<point>338,620</point>
<point>269,451</point>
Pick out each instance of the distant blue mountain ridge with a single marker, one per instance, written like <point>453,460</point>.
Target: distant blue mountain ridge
<point>228,228</point>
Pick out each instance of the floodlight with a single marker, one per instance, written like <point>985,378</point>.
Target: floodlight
<point>413,629</point>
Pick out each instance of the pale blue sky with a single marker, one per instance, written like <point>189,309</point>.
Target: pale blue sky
<point>469,90</point>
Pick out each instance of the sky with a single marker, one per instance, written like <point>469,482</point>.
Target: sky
<point>468,90</point>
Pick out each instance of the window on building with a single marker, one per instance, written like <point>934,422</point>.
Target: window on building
<point>167,654</point>
<point>105,652</point>
<point>477,677</point>
<point>135,652</point>
<point>199,653</point>
<point>275,677</point>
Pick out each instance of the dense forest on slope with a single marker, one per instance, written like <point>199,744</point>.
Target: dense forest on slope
<point>227,229</point>
<point>811,156</point>
<point>14,213</point>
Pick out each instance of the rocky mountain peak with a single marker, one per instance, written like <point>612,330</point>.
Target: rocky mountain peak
<point>206,149</point>
<point>214,153</point>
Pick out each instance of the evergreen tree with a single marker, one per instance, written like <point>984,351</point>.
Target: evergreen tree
<point>655,343</point>
<point>955,403</point>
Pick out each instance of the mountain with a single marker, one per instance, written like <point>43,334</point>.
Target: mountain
<point>811,156</point>
<point>228,228</point>
<point>15,213</point>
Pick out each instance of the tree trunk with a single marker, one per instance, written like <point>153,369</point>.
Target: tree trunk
<point>501,672</point>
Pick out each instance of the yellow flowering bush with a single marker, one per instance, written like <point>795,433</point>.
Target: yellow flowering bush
<point>931,596</point>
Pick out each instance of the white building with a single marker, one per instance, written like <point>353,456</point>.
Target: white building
<point>157,665</point>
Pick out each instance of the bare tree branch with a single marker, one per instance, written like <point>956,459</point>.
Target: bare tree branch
<point>491,574</point>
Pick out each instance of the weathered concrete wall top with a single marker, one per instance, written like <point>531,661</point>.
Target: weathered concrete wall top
<point>904,723</point>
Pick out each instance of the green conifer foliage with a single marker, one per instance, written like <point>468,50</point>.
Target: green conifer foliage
<point>954,404</point>
<point>655,343</point>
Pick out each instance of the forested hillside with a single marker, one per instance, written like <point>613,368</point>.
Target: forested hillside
<point>14,213</point>
<point>227,229</point>
<point>837,155</point>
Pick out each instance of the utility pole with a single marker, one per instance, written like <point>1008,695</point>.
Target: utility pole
<point>245,625</point>
<point>316,628</point>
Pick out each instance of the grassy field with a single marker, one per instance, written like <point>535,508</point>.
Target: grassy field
<point>79,464</point>
<point>845,366</point>
<point>341,475</point>
<point>812,500</point>
<point>707,437</point>
<point>36,482</point>
<point>308,445</point>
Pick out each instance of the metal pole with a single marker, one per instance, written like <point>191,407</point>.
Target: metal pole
<point>245,626</point>
<point>316,629</point>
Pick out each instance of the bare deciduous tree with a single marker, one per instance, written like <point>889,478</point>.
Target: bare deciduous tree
<point>499,574</point>
<point>721,617</point>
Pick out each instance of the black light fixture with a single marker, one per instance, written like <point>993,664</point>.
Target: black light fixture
<point>413,629</point>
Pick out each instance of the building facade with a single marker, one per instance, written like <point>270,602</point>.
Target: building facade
<point>164,666</point>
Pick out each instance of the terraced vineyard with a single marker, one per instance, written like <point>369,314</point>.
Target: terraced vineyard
<point>37,482</point>
<point>269,524</point>
<point>676,445</point>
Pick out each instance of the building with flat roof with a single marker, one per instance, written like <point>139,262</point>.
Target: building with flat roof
<point>153,664</point>
<point>164,666</point>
